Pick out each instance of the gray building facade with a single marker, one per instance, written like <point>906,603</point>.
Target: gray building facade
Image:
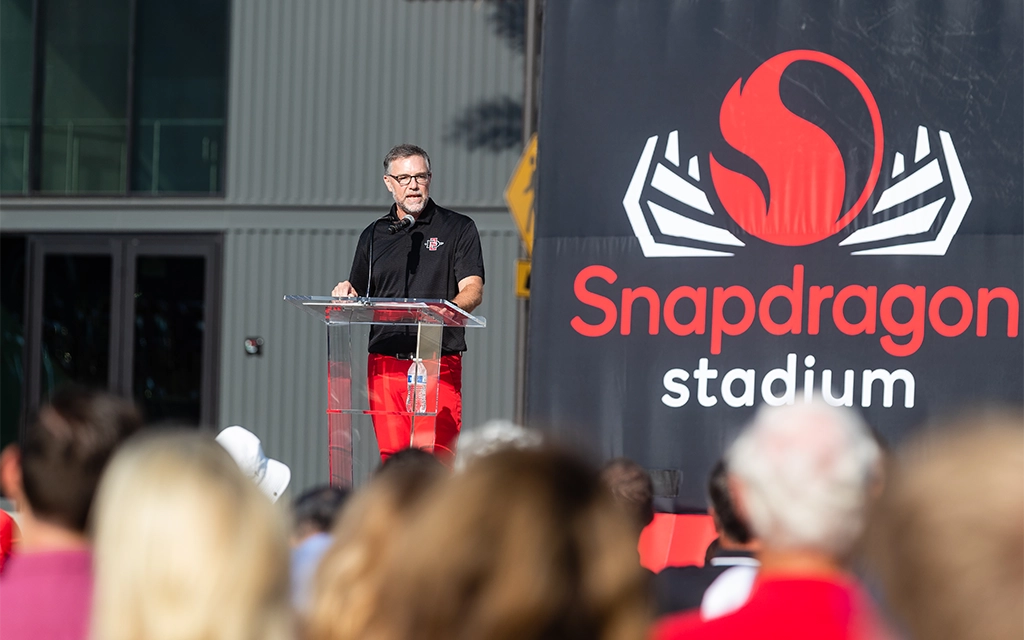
<point>317,92</point>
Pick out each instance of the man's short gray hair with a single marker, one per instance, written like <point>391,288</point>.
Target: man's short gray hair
<point>806,470</point>
<point>491,437</point>
<point>404,151</point>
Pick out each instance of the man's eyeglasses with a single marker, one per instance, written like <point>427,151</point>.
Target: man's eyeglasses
<point>421,178</point>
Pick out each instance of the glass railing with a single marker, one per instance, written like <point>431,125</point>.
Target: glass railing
<point>178,155</point>
<point>84,155</point>
<point>14,155</point>
<point>90,156</point>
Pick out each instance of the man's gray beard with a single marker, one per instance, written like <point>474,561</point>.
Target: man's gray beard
<point>402,207</point>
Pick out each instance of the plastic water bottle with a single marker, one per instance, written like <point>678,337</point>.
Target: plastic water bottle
<point>416,380</point>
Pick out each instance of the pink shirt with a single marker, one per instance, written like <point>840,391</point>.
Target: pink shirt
<point>46,595</point>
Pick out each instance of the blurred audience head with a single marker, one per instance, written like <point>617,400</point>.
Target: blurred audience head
<point>732,530</point>
<point>948,539</point>
<point>187,546</point>
<point>523,544</point>
<point>316,510</point>
<point>346,585</point>
<point>491,437</point>
<point>632,489</point>
<point>54,474</point>
<point>713,549</point>
<point>411,456</point>
<point>803,472</point>
<point>271,476</point>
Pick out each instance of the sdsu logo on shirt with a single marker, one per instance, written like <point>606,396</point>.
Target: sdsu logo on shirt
<point>432,244</point>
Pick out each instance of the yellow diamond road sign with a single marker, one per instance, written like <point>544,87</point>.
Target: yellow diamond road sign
<point>519,194</point>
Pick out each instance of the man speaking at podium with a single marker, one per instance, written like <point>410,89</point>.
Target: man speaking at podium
<point>419,250</point>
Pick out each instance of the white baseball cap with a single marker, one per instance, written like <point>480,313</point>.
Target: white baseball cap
<point>271,476</point>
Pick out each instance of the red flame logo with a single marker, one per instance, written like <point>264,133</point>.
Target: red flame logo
<point>805,170</point>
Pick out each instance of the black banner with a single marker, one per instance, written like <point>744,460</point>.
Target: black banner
<point>738,201</point>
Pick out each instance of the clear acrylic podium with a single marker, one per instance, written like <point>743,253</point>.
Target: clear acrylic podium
<point>350,408</point>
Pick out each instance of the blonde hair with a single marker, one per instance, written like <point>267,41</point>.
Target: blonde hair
<point>346,584</point>
<point>187,547</point>
<point>948,541</point>
<point>523,545</point>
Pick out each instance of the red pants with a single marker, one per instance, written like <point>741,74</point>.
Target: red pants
<point>388,387</point>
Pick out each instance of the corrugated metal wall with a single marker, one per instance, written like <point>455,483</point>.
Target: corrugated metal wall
<point>321,89</point>
<point>281,395</point>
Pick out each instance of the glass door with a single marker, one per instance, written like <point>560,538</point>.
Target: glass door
<point>137,314</point>
<point>13,269</point>
<point>74,288</point>
<point>170,352</point>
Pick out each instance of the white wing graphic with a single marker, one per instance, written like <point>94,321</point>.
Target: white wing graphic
<point>909,226</point>
<point>683,220</point>
<point>683,228</point>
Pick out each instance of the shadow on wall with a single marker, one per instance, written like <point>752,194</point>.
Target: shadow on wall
<point>508,18</point>
<point>495,124</point>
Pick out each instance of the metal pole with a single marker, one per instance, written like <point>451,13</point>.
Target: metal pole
<point>530,94</point>
<point>35,168</point>
<point>529,126</point>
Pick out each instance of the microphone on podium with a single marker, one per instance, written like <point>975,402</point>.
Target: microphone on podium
<point>404,223</point>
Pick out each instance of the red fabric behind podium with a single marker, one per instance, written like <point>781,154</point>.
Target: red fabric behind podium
<point>675,540</point>
<point>10,536</point>
<point>388,391</point>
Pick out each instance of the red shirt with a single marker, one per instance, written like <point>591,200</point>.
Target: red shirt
<point>8,536</point>
<point>46,595</point>
<point>786,609</point>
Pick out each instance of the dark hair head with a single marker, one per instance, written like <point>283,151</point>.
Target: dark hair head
<point>725,511</point>
<point>317,508</point>
<point>66,449</point>
<point>714,547</point>
<point>404,151</point>
<point>412,457</point>
<point>632,488</point>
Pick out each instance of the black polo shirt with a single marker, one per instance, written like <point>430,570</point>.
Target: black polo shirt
<point>427,260</point>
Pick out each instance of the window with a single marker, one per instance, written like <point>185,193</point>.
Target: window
<point>112,97</point>
<point>180,96</point>
<point>15,94</point>
<point>84,99</point>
